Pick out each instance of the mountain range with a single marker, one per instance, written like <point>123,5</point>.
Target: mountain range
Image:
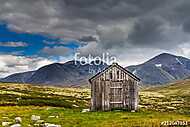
<point>164,68</point>
<point>161,69</point>
<point>71,73</point>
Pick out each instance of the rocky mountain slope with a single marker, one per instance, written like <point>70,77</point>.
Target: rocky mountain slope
<point>67,74</point>
<point>161,69</point>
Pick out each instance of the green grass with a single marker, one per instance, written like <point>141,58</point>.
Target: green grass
<point>174,97</point>
<point>25,95</point>
<point>157,104</point>
<point>73,117</point>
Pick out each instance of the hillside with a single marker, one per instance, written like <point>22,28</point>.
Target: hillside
<point>25,95</point>
<point>63,106</point>
<point>67,74</point>
<point>162,69</point>
<point>18,77</point>
<point>170,97</point>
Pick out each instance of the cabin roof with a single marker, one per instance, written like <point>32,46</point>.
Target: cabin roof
<point>120,67</point>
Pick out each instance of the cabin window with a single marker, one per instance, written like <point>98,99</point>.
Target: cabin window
<point>111,76</point>
<point>117,74</point>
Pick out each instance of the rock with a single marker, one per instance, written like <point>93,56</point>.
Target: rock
<point>40,121</point>
<point>51,116</point>
<point>48,108</point>
<point>171,108</point>
<point>86,110</point>
<point>18,99</point>
<point>15,125</point>
<point>75,106</point>
<point>35,118</point>
<point>5,124</point>
<point>132,110</point>
<point>51,125</point>
<point>37,125</point>
<point>18,120</point>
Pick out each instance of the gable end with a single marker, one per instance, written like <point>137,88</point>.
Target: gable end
<point>118,66</point>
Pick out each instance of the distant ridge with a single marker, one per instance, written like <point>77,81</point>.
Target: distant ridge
<point>162,69</point>
<point>67,74</point>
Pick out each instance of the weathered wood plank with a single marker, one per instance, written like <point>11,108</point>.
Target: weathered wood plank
<point>114,89</point>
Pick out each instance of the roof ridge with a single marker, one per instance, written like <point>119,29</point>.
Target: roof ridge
<point>115,64</point>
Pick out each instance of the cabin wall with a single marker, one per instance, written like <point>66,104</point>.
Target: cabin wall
<point>133,95</point>
<point>116,91</point>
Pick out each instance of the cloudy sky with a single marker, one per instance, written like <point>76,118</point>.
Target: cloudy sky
<point>34,33</point>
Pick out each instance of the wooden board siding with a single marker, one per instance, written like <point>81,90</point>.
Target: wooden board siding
<point>114,89</point>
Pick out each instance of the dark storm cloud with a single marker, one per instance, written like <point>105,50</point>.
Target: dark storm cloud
<point>87,39</point>
<point>186,26</point>
<point>101,10</point>
<point>112,37</point>
<point>147,31</point>
<point>124,23</point>
<point>181,10</point>
<point>71,18</point>
<point>182,13</point>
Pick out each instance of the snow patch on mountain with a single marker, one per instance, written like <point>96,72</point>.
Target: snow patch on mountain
<point>178,61</point>
<point>134,72</point>
<point>158,65</point>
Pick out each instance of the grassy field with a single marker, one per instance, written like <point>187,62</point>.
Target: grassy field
<point>26,95</point>
<point>63,106</point>
<point>73,117</point>
<point>173,97</point>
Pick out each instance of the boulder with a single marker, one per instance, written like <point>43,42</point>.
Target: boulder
<point>85,110</point>
<point>15,125</point>
<point>18,120</point>
<point>35,118</point>
<point>51,125</point>
<point>6,124</point>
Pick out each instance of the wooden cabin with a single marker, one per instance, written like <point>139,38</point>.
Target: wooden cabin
<point>114,88</point>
